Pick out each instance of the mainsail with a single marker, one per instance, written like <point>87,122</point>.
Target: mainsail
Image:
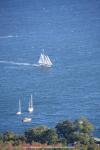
<point>41,59</point>
<point>30,108</point>
<point>31,102</point>
<point>44,60</point>
<point>19,106</point>
<point>49,61</point>
<point>19,109</point>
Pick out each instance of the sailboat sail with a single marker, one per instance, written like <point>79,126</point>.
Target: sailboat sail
<point>46,60</point>
<point>49,61</point>
<point>19,106</point>
<point>30,109</point>
<point>19,109</point>
<point>31,102</point>
<point>41,59</point>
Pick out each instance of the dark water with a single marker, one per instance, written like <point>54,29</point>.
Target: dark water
<point>69,31</point>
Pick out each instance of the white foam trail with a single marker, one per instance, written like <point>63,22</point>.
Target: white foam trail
<point>16,63</point>
<point>8,36</point>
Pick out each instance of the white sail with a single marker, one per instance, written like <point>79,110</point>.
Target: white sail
<point>31,102</point>
<point>30,108</point>
<point>41,59</point>
<point>19,109</point>
<point>46,60</point>
<point>19,106</point>
<point>49,61</point>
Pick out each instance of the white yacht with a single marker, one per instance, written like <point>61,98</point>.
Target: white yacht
<point>26,119</point>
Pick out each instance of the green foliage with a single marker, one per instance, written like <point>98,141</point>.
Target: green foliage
<point>34,134</point>
<point>1,137</point>
<point>18,139</point>
<point>82,125</point>
<point>79,130</point>
<point>41,134</point>
<point>63,141</point>
<point>49,136</point>
<point>8,136</point>
<point>65,132</point>
<point>90,148</point>
<point>84,139</point>
<point>11,138</point>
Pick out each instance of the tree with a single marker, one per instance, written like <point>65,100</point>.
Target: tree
<point>1,137</point>
<point>49,136</point>
<point>8,136</point>
<point>65,130</point>
<point>82,125</point>
<point>41,134</point>
<point>83,130</point>
<point>79,130</point>
<point>34,134</point>
<point>19,139</point>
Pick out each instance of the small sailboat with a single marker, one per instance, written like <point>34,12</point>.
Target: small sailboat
<point>44,60</point>
<point>30,108</point>
<point>19,109</point>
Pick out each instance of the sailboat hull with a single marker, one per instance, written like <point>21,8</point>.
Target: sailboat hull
<point>30,110</point>
<point>45,65</point>
<point>26,119</point>
<point>18,113</point>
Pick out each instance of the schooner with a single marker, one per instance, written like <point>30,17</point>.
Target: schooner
<point>44,60</point>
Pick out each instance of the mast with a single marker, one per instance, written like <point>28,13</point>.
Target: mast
<point>31,102</point>
<point>30,108</point>
<point>19,106</point>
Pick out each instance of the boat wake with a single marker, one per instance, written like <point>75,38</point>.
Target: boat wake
<point>44,61</point>
<point>8,36</point>
<point>17,63</point>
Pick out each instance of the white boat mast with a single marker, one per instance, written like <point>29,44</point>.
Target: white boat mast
<point>19,106</point>
<point>19,109</point>
<point>31,102</point>
<point>30,108</point>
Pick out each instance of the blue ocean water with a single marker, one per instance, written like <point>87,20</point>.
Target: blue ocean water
<point>69,31</point>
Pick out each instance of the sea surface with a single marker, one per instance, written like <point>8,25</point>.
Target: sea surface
<point>69,32</point>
